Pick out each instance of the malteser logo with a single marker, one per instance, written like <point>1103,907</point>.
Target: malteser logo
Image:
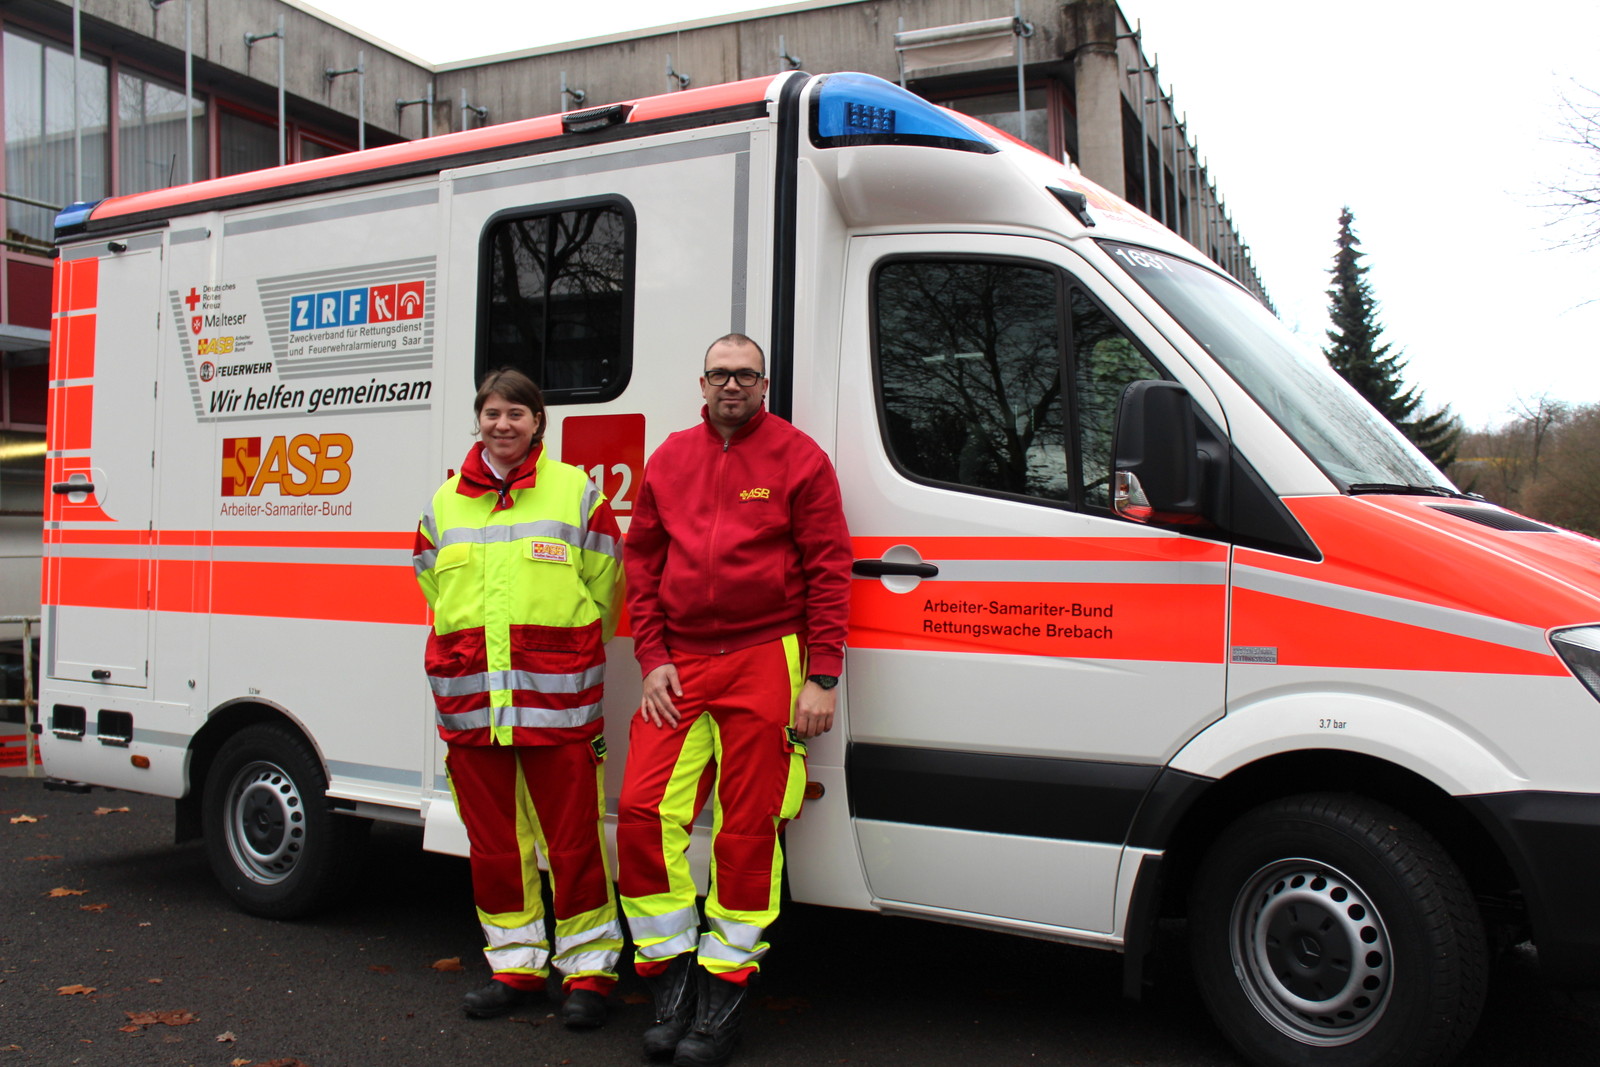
<point>755,494</point>
<point>306,464</point>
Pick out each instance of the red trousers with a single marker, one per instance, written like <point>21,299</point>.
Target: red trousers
<point>517,802</point>
<point>736,713</point>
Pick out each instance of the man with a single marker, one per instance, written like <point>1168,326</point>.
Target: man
<point>738,589</point>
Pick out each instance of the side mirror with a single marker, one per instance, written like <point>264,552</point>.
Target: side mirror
<point>1157,460</point>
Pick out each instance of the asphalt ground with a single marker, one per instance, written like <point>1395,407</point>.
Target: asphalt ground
<point>117,948</point>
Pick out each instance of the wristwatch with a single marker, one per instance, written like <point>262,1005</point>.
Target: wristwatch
<point>826,681</point>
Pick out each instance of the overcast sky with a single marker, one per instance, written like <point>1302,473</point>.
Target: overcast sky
<point>1437,124</point>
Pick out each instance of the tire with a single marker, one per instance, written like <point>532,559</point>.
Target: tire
<point>274,842</point>
<point>1332,931</point>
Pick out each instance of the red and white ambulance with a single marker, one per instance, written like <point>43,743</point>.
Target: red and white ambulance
<point>1152,615</point>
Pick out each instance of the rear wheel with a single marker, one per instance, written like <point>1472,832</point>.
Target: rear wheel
<point>1332,930</point>
<point>274,842</point>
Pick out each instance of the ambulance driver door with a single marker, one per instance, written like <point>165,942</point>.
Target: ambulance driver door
<point>1021,661</point>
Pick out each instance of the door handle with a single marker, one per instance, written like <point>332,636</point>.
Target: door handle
<point>72,487</point>
<point>877,568</point>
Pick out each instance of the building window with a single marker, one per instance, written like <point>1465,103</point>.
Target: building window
<point>316,148</point>
<point>558,302</point>
<point>21,473</point>
<point>150,125</point>
<point>244,143</point>
<point>1000,111</point>
<point>42,139</point>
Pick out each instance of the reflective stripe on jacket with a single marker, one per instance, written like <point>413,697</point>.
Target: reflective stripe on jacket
<point>525,587</point>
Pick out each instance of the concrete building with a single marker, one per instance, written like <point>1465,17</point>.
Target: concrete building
<point>107,97</point>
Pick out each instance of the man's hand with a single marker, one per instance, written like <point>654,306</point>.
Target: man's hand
<point>813,712</point>
<point>660,686</point>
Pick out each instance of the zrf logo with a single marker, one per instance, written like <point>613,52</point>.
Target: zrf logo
<point>306,464</point>
<point>357,307</point>
<point>208,371</point>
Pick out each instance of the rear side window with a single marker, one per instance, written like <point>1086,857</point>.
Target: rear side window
<point>557,299</point>
<point>1000,378</point>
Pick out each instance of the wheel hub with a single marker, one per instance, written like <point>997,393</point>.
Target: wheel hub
<point>265,822</point>
<point>1313,952</point>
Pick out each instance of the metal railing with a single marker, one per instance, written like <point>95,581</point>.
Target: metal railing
<point>29,702</point>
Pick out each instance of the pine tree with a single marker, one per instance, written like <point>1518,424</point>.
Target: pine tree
<point>1370,367</point>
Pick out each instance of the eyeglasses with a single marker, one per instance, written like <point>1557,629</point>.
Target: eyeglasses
<point>745,377</point>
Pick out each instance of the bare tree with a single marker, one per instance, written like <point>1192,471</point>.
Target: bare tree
<point>1577,196</point>
<point>1567,490</point>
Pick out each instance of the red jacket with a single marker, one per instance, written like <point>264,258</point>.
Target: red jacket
<point>738,543</point>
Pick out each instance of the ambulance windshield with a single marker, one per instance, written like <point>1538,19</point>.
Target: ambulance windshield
<point>1339,430</point>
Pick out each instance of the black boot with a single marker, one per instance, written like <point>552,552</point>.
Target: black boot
<point>716,1023</point>
<point>494,999</point>
<point>674,992</point>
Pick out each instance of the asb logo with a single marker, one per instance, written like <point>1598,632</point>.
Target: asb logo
<point>357,307</point>
<point>303,465</point>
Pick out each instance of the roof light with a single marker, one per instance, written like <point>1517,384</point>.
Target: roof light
<point>858,109</point>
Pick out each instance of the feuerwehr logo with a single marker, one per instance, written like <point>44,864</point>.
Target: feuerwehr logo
<point>208,371</point>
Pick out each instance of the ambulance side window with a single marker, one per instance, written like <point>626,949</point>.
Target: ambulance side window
<point>971,356</point>
<point>969,371</point>
<point>557,299</point>
<point>1105,362</point>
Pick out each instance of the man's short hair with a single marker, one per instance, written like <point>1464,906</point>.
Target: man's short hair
<point>738,340</point>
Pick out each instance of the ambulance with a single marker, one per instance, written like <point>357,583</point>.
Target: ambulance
<point>1152,617</point>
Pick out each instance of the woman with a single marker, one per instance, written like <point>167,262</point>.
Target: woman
<point>519,557</point>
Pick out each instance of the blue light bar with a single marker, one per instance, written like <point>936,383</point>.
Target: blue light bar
<point>858,109</point>
<point>73,217</point>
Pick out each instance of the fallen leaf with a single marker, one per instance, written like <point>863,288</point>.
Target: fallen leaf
<point>93,907</point>
<point>167,1018</point>
<point>63,891</point>
<point>226,1035</point>
<point>155,981</point>
<point>108,811</point>
<point>287,1061</point>
<point>381,968</point>
<point>30,858</point>
<point>22,818</point>
<point>785,1003</point>
<point>240,1063</point>
<point>131,1029</point>
<point>451,964</point>
<point>70,990</point>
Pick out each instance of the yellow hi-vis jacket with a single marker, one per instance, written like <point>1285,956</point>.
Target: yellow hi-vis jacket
<point>524,578</point>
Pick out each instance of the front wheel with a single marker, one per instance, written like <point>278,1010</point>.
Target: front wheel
<point>275,845</point>
<point>1334,931</point>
